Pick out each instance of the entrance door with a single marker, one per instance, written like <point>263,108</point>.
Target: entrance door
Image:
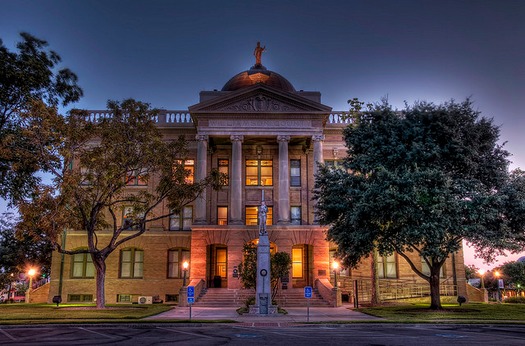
<point>217,266</point>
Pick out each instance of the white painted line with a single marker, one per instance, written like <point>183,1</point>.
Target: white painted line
<point>101,334</point>
<point>181,332</point>
<point>8,335</point>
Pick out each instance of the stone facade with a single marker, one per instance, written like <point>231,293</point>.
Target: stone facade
<point>259,134</point>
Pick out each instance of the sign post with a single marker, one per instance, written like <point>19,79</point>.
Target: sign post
<point>308,295</point>
<point>191,297</point>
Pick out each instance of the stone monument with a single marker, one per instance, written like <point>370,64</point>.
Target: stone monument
<point>263,290</point>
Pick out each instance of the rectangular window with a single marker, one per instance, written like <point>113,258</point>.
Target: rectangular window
<point>176,257</point>
<point>224,165</point>
<point>252,216</point>
<point>386,267</point>
<point>137,178</point>
<point>82,266</point>
<point>182,221</point>
<point>80,298</point>
<point>259,172</point>
<point>295,172</point>
<point>297,262</point>
<point>295,215</point>
<point>222,216</point>
<point>189,169</point>
<point>123,298</point>
<point>425,269</point>
<point>130,219</point>
<point>131,263</point>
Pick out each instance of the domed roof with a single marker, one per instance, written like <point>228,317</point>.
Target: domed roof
<point>258,74</point>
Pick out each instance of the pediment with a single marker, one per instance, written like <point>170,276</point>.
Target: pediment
<point>259,99</point>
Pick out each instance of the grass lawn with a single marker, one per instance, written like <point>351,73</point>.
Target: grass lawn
<point>65,313</point>
<point>467,313</point>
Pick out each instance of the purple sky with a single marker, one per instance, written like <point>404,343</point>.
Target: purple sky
<point>165,52</point>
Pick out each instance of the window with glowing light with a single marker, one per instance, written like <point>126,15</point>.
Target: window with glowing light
<point>259,172</point>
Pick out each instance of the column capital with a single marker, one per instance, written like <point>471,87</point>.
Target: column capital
<point>237,138</point>
<point>318,138</point>
<point>201,137</point>
<point>283,138</point>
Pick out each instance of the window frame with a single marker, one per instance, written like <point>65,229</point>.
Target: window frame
<point>295,179</point>
<point>183,254</point>
<point>297,220</point>
<point>259,167</point>
<point>85,262</point>
<point>269,215</point>
<point>133,262</point>
<point>384,262</point>
<point>223,165</point>
<point>223,219</point>
<point>181,217</point>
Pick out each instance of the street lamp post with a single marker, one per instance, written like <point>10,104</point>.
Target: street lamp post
<point>185,270</point>
<point>31,273</point>
<point>335,265</point>
<point>481,273</point>
<point>497,274</point>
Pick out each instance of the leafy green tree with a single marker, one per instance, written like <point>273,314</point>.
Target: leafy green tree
<point>28,75</point>
<point>99,159</point>
<point>19,252</point>
<point>281,263</point>
<point>514,273</point>
<point>471,271</point>
<point>248,267</point>
<point>420,181</point>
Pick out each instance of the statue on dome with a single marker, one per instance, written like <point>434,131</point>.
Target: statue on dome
<point>258,53</point>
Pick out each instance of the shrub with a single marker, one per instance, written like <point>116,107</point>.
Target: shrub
<point>515,300</point>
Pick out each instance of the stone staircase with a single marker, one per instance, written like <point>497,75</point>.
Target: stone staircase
<point>223,297</point>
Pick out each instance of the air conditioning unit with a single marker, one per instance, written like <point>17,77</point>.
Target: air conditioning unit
<point>145,300</point>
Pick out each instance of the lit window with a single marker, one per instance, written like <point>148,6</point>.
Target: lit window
<point>297,261</point>
<point>131,263</point>
<point>386,267</point>
<point>252,216</point>
<point>259,172</point>
<point>176,257</point>
<point>182,221</point>
<point>82,266</point>
<point>295,172</point>
<point>224,168</point>
<point>189,168</point>
<point>222,216</point>
<point>295,215</point>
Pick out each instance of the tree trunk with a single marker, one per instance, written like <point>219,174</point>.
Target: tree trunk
<point>435,296</point>
<point>374,297</point>
<point>100,267</point>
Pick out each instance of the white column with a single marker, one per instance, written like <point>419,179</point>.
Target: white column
<point>284,181</point>
<point>236,181</point>
<point>200,174</point>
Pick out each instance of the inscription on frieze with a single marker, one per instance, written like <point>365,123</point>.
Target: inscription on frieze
<point>284,123</point>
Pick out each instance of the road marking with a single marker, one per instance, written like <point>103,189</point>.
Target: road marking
<point>181,332</point>
<point>101,334</point>
<point>8,335</point>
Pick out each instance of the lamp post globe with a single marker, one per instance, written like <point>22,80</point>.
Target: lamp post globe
<point>185,266</point>
<point>481,273</point>
<point>335,265</point>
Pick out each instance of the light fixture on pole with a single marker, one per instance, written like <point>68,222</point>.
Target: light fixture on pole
<point>481,273</point>
<point>185,270</point>
<point>497,274</point>
<point>335,265</point>
<point>31,272</point>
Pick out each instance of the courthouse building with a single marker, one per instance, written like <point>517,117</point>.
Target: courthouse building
<point>268,137</point>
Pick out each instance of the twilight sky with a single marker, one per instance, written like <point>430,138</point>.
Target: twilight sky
<point>165,52</point>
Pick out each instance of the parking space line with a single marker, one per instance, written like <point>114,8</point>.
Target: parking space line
<point>8,335</point>
<point>101,334</point>
<point>181,332</point>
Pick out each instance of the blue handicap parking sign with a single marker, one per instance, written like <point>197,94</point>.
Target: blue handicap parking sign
<point>308,292</point>
<point>191,291</point>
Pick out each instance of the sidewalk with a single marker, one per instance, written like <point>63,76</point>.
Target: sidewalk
<point>295,315</point>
